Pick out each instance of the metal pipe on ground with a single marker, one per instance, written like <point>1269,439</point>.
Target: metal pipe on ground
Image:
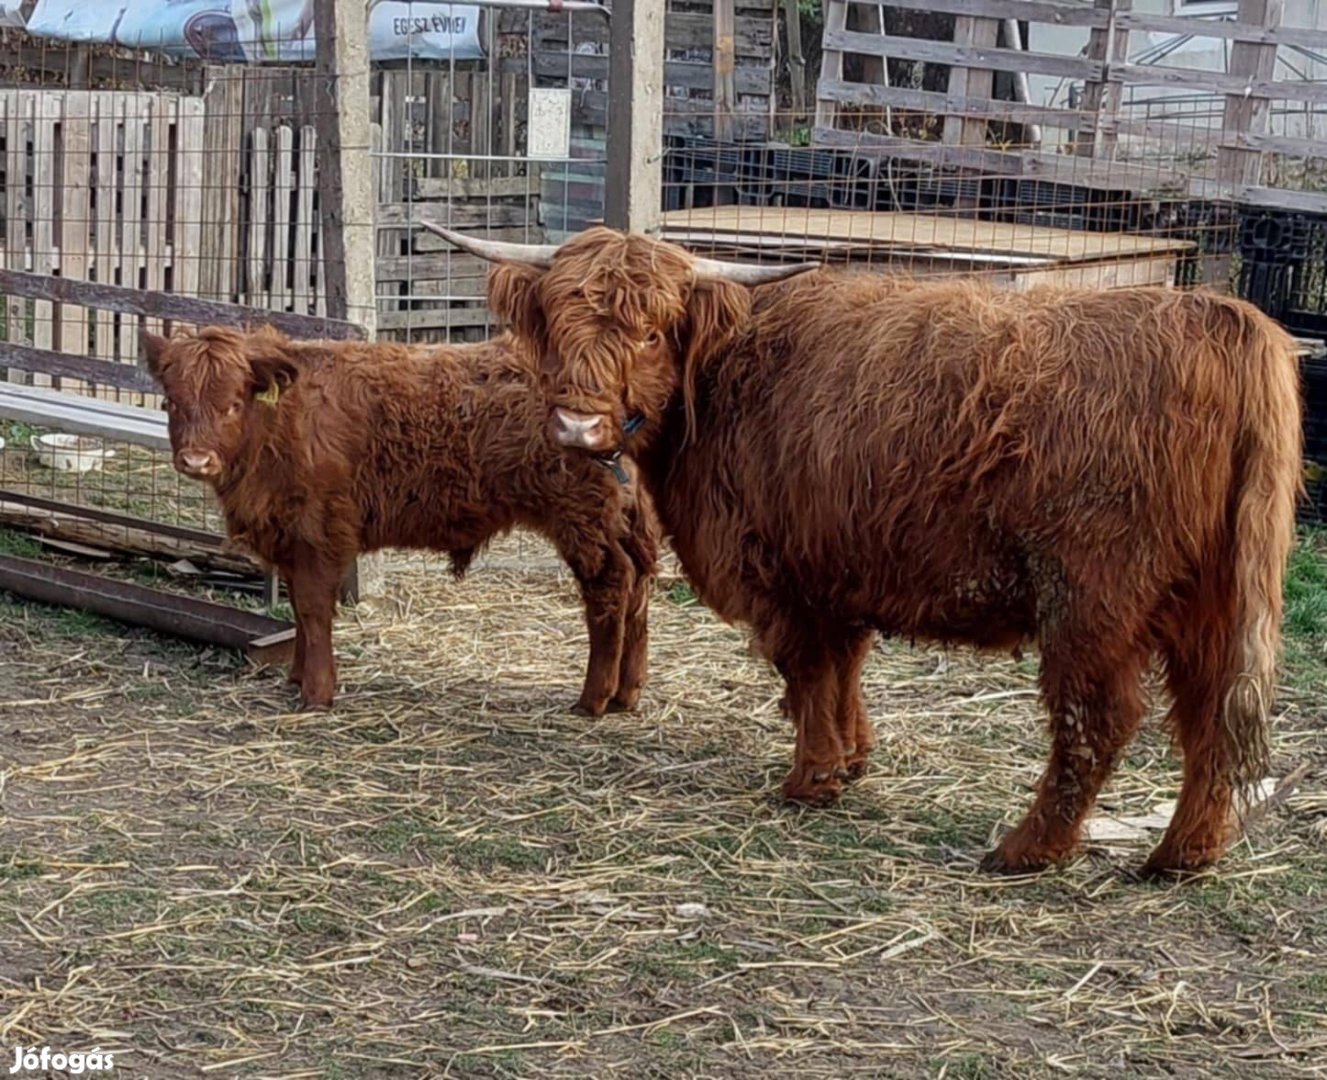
<point>262,638</point>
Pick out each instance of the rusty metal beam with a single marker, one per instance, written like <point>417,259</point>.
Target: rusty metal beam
<point>167,613</point>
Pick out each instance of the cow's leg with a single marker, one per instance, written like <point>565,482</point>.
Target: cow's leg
<point>635,646</point>
<point>313,584</point>
<point>855,730</point>
<point>1094,696</point>
<point>1203,824</point>
<point>643,551</point>
<point>605,575</point>
<point>811,663</point>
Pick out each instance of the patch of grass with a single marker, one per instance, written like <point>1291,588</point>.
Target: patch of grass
<point>682,594</point>
<point>1306,588</point>
<point>18,544</point>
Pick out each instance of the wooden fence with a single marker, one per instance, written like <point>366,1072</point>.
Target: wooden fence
<point>967,107</point>
<point>102,186</point>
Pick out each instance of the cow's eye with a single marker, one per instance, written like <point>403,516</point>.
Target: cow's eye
<point>652,339</point>
<point>234,409</point>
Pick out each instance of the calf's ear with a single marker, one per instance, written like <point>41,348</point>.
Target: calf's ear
<point>272,369</point>
<point>154,349</point>
<point>513,294</point>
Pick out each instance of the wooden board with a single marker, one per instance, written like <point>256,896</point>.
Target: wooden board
<point>901,233</point>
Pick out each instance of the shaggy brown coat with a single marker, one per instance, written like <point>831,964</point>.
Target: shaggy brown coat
<point>1111,475</point>
<point>321,450</point>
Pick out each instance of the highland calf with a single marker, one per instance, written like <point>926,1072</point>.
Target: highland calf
<point>1110,475</point>
<point>319,451</point>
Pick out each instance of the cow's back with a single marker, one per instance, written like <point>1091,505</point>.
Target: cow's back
<point>921,441</point>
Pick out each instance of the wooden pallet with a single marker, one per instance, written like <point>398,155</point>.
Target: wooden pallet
<point>925,243</point>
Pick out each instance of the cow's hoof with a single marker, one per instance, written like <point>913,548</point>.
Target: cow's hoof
<point>295,678</point>
<point>854,768</point>
<point>814,787</point>
<point>315,702</point>
<point>625,700</point>
<point>592,709</point>
<point>1008,861</point>
<point>1167,862</point>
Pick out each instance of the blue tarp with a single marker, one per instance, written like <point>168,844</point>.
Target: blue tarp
<point>257,31</point>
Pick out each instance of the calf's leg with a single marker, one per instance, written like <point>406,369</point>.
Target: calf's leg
<point>604,574</point>
<point>313,584</point>
<point>296,674</point>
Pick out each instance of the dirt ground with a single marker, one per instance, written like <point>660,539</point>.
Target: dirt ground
<point>453,875</point>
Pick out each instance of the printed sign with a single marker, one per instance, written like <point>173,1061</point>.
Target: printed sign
<point>549,127</point>
<point>257,31</point>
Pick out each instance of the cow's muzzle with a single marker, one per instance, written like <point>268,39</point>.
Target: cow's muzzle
<point>200,464</point>
<point>587,431</point>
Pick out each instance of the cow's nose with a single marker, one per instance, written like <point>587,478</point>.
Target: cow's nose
<point>579,429</point>
<point>200,462</point>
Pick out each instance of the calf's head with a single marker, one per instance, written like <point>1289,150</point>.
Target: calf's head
<point>621,322</point>
<point>215,383</point>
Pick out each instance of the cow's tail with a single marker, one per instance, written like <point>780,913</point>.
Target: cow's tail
<point>1267,480</point>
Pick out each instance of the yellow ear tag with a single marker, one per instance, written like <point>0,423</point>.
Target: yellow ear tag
<point>270,395</point>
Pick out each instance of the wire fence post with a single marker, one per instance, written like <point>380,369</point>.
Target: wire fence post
<point>345,193</point>
<point>635,116</point>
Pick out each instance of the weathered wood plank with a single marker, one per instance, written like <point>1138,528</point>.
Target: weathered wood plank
<point>1222,83</point>
<point>131,215</point>
<point>678,73</point>
<point>304,223</point>
<point>162,305</point>
<point>1230,31</point>
<point>1310,202</point>
<point>1102,97</point>
<point>1035,11</point>
<point>753,35</point>
<point>831,61</point>
<point>186,243</point>
<point>942,52</point>
<point>1062,168</point>
<point>260,186</point>
<point>283,192</point>
<point>851,93</point>
<point>409,215</point>
<point>75,213</point>
<point>66,365</point>
<point>18,129</point>
<point>725,63</point>
<point>106,134</point>
<point>974,35</point>
<point>497,187</point>
<point>1247,113</point>
<point>223,111</point>
<point>160,120</point>
<point>44,255</point>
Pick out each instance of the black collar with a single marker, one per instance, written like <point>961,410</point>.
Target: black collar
<point>613,460</point>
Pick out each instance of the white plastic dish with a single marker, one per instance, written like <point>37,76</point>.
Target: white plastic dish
<point>70,453</point>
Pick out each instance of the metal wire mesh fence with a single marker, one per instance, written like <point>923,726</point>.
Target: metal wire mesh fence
<point>1050,142</point>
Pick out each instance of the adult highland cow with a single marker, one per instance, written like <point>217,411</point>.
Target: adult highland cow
<point>321,450</point>
<point>1111,475</point>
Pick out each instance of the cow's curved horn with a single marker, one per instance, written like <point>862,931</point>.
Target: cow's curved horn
<point>748,273</point>
<point>540,255</point>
